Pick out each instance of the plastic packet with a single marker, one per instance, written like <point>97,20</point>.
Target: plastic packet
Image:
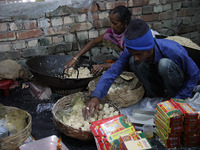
<point>44,107</point>
<point>146,103</point>
<point>194,102</point>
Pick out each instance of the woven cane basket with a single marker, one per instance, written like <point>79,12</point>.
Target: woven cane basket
<point>123,97</point>
<point>14,141</point>
<point>64,103</point>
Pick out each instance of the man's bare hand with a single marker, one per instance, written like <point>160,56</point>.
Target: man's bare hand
<point>92,108</point>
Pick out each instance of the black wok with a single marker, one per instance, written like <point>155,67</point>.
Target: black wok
<point>48,70</point>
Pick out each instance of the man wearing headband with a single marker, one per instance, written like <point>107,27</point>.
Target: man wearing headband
<point>160,64</point>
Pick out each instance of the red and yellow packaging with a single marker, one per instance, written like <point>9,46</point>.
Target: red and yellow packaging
<point>171,124</point>
<point>108,131</point>
<point>169,112</point>
<point>190,138</point>
<point>136,141</point>
<point>177,128</point>
<point>96,125</point>
<point>186,109</point>
<point>167,126</point>
<point>165,133</point>
<point>168,142</point>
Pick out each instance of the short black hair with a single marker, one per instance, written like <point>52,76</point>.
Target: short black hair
<point>123,13</point>
<point>136,28</point>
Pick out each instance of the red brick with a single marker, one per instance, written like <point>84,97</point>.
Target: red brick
<point>112,5</point>
<point>101,23</point>
<point>80,26</point>
<point>55,30</point>
<point>140,2</point>
<point>167,15</point>
<point>186,29</point>
<point>157,25</point>
<point>186,12</point>
<point>172,1</point>
<point>30,24</point>
<point>29,34</point>
<point>148,18</point>
<point>101,6</point>
<point>5,47</point>
<point>93,8</point>
<point>137,11</point>
<point>7,36</point>
<point>3,27</point>
<point>95,16</point>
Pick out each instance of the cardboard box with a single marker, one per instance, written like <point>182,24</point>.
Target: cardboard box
<point>186,109</point>
<point>178,128</point>
<point>107,131</point>
<point>136,141</point>
<point>170,142</point>
<point>164,131</point>
<point>171,124</point>
<point>169,112</point>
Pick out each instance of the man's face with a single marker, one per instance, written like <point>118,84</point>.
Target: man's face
<point>141,56</point>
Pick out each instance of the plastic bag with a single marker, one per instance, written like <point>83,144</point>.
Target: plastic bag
<point>146,103</point>
<point>77,3</point>
<point>194,102</point>
<point>10,69</point>
<point>44,107</point>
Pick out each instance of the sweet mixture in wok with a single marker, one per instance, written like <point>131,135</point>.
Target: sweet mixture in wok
<point>81,72</point>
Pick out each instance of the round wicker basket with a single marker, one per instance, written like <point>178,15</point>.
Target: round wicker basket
<point>14,141</point>
<point>62,104</point>
<point>123,97</point>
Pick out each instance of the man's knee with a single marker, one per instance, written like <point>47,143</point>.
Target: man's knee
<point>164,64</point>
<point>170,71</point>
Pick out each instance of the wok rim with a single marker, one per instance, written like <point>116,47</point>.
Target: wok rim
<point>33,71</point>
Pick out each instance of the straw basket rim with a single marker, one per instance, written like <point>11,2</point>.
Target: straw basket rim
<point>14,141</point>
<point>136,94</point>
<point>69,130</point>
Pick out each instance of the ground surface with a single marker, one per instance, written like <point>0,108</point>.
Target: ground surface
<point>42,123</point>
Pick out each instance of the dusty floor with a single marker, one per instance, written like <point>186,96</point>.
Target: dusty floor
<point>42,123</point>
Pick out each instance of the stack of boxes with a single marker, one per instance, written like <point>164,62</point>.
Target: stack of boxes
<point>116,133</point>
<point>190,134</point>
<point>199,126</point>
<point>177,124</point>
<point>107,131</point>
<point>169,124</point>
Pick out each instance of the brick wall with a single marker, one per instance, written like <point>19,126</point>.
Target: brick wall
<point>66,30</point>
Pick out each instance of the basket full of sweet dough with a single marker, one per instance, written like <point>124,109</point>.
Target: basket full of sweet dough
<point>67,115</point>
<point>125,91</point>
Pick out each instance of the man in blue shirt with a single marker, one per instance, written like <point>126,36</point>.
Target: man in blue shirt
<point>160,64</point>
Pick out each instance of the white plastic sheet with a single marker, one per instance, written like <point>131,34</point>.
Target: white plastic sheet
<point>75,3</point>
<point>31,9</point>
<point>194,102</point>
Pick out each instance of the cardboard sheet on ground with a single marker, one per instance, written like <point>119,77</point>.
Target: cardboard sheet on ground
<point>48,143</point>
